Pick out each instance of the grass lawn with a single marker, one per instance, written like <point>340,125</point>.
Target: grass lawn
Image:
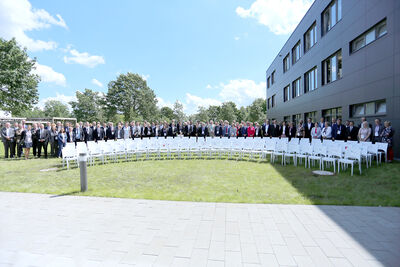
<point>207,180</point>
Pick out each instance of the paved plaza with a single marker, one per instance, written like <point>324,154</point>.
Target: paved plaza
<point>46,230</point>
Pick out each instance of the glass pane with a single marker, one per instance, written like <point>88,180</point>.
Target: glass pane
<point>370,108</point>
<point>370,36</point>
<point>381,29</point>
<point>381,107</point>
<point>334,68</point>
<point>316,78</point>
<point>333,15</point>
<point>339,4</point>
<point>358,110</point>
<point>326,21</point>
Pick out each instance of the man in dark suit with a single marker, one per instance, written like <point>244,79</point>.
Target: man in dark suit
<point>218,130</point>
<point>275,129</point>
<point>110,133</point>
<point>88,133</point>
<point>284,130</point>
<point>98,133</point>
<point>78,133</point>
<point>172,129</point>
<point>203,130</point>
<point>34,139</point>
<point>119,132</point>
<point>226,129</point>
<point>266,130</point>
<point>292,130</point>
<point>341,131</point>
<point>43,140</point>
<point>307,128</point>
<point>352,132</point>
<point>7,137</point>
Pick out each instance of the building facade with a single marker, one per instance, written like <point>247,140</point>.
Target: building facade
<point>341,61</point>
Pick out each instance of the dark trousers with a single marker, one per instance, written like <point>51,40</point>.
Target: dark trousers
<point>54,148</point>
<point>44,146</point>
<point>34,146</point>
<point>9,149</point>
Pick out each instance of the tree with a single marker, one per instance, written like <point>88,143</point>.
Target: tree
<point>179,115</point>
<point>256,110</point>
<point>130,96</point>
<point>228,111</point>
<point>89,106</point>
<point>18,85</point>
<point>167,113</point>
<point>202,114</point>
<point>55,108</point>
<point>242,114</point>
<point>36,112</point>
<point>214,113</point>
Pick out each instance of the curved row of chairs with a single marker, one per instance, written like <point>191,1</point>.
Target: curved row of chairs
<point>326,154</point>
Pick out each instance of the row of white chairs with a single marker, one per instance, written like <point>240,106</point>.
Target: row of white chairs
<point>324,153</point>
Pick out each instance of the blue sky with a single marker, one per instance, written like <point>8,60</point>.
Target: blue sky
<point>198,52</point>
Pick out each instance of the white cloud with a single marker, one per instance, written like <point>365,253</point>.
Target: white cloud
<point>145,76</point>
<point>242,92</point>
<point>48,75</point>
<point>96,82</point>
<point>162,103</point>
<point>17,17</point>
<point>59,97</point>
<point>281,17</point>
<point>237,38</point>
<point>84,58</point>
<point>193,103</point>
<point>208,86</point>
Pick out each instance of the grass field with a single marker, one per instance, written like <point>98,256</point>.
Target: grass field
<point>207,180</point>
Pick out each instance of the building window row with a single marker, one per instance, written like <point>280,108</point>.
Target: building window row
<point>331,16</point>
<point>368,109</point>
<point>296,53</point>
<point>329,114</point>
<point>311,80</point>
<point>271,79</point>
<point>332,68</point>
<point>271,102</point>
<point>369,36</point>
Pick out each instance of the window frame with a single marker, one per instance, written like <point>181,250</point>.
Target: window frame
<point>288,63</point>
<point>296,48</point>
<point>364,107</point>
<point>328,10</point>
<point>315,78</point>
<point>296,90</point>
<point>312,28</point>
<point>363,36</point>
<point>286,93</point>
<point>338,65</point>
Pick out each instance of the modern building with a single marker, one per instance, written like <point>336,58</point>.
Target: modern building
<point>342,61</point>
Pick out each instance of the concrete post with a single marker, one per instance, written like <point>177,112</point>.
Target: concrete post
<point>83,170</point>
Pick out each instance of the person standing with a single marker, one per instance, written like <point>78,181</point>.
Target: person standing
<point>53,140</point>
<point>43,140</point>
<point>387,137</point>
<point>315,132</point>
<point>98,133</point>
<point>35,128</point>
<point>78,134</point>
<point>250,130</point>
<point>7,137</point>
<point>307,128</point>
<point>377,131</point>
<point>300,130</point>
<point>266,129</point>
<point>352,132</point>
<point>27,141</point>
<point>364,133</point>
<point>340,131</point>
<point>62,141</point>
<point>326,132</point>
<point>292,130</point>
<point>17,140</point>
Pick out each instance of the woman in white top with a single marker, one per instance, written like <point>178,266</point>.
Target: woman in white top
<point>316,132</point>
<point>364,133</point>
<point>127,131</point>
<point>326,132</point>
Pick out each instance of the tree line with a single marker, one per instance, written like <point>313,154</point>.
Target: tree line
<point>128,97</point>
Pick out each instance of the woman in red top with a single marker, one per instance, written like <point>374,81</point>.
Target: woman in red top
<point>250,130</point>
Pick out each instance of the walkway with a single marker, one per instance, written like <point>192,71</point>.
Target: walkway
<point>45,230</point>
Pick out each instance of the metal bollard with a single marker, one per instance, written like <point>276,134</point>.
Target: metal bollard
<point>82,166</point>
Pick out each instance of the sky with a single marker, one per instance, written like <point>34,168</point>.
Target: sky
<point>200,53</point>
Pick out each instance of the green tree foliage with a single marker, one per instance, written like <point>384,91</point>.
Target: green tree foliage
<point>18,86</point>
<point>202,115</point>
<point>35,112</point>
<point>256,111</point>
<point>179,115</point>
<point>130,96</point>
<point>167,113</point>
<point>89,106</point>
<point>55,108</point>
<point>228,111</point>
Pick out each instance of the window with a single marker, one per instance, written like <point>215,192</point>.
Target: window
<point>273,101</point>
<point>273,77</point>
<point>269,103</point>
<point>286,93</point>
<point>328,114</point>
<point>310,115</point>
<point>369,36</point>
<point>310,80</point>
<point>368,109</point>
<point>310,37</point>
<point>332,68</point>
<point>296,88</point>
<point>296,118</point>
<point>331,15</point>
<point>268,81</point>
<point>286,118</point>
<point>296,53</point>
<point>286,63</point>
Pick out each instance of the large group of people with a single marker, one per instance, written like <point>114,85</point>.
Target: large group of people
<point>20,137</point>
